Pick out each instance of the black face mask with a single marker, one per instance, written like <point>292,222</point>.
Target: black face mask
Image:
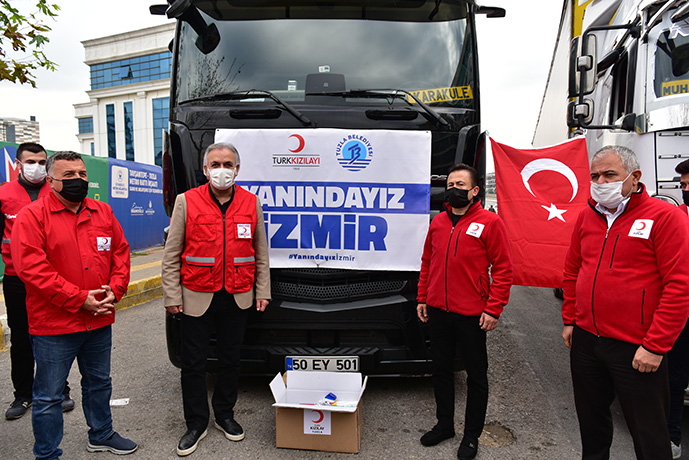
<point>74,190</point>
<point>685,197</point>
<point>457,197</point>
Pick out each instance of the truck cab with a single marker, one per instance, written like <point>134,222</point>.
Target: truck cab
<point>392,65</point>
<point>629,77</point>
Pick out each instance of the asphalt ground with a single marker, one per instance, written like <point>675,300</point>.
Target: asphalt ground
<point>530,414</point>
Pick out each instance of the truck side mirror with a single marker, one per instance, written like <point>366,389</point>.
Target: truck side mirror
<point>576,109</point>
<point>582,65</point>
<point>628,122</point>
<point>491,11</point>
<point>184,10</point>
<point>158,10</point>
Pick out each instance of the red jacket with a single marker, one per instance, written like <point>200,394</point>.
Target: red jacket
<point>455,263</point>
<point>631,282</point>
<point>219,250</point>
<point>13,197</point>
<point>60,256</point>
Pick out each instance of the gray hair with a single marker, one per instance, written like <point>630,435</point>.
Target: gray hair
<point>627,156</point>
<point>221,146</point>
<point>62,155</point>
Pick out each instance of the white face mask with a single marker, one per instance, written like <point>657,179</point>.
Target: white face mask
<point>609,194</point>
<point>33,172</point>
<point>222,178</point>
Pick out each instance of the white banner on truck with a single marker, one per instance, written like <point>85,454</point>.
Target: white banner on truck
<point>338,198</point>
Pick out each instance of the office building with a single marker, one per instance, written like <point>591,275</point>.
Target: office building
<point>16,130</point>
<point>129,95</point>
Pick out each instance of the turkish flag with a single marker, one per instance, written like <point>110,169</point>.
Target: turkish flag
<point>540,193</point>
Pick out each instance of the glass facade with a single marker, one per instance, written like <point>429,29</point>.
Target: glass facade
<point>161,111</point>
<point>132,70</point>
<point>129,131</point>
<point>85,125</point>
<point>110,121</point>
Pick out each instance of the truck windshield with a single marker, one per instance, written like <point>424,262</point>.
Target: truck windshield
<point>297,58</point>
<point>672,62</point>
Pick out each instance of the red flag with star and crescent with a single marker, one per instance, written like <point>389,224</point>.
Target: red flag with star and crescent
<point>540,194</point>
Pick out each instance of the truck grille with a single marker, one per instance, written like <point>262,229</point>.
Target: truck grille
<point>327,285</point>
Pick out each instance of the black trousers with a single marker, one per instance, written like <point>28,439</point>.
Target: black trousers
<point>21,353</point>
<point>227,321</point>
<point>678,365</point>
<point>602,369</point>
<point>447,331</point>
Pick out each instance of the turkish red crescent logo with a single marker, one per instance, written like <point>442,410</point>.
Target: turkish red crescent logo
<point>301,143</point>
<point>321,416</point>
<point>643,225</point>
<point>475,229</point>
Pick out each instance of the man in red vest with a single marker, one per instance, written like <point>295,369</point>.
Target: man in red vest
<point>14,195</point>
<point>215,264</point>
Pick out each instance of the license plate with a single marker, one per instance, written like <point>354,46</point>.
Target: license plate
<point>322,363</point>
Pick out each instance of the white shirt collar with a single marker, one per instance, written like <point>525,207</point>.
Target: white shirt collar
<point>612,216</point>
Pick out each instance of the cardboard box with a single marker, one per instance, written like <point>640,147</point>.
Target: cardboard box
<point>301,424</point>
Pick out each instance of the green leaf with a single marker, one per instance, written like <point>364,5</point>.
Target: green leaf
<point>26,33</point>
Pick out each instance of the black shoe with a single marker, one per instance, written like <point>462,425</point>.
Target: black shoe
<point>67,403</point>
<point>190,441</point>
<point>437,435</point>
<point>233,431</point>
<point>18,408</point>
<point>467,449</point>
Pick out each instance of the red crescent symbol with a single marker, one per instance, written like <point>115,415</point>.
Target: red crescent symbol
<point>643,225</point>
<point>301,143</point>
<point>475,229</point>
<point>321,416</point>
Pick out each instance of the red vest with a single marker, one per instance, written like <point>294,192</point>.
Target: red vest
<point>14,197</point>
<point>219,251</point>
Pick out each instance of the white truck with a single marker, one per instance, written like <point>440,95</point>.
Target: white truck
<point>627,83</point>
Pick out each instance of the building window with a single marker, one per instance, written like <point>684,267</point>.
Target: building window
<point>161,111</point>
<point>133,70</point>
<point>125,72</point>
<point>93,149</point>
<point>110,119</point>
<point>85,125</point>
<point>129,131</point>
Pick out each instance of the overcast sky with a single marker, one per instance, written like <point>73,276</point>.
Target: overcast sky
<point>514,55</point>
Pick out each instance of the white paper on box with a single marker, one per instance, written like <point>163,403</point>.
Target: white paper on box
<point>306,388</point>
<point>317,421</point>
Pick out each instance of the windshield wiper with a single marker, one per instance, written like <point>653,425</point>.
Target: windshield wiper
<point>386,93</point>
<point>253,93</point>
